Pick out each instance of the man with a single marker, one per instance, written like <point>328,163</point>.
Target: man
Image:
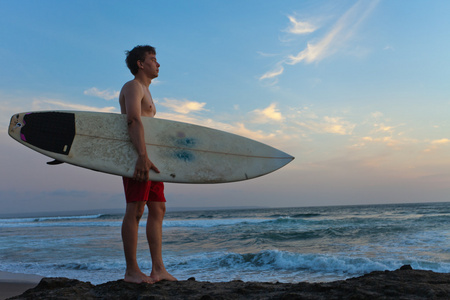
<point>136,101</point>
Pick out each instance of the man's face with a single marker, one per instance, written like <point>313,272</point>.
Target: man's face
<point>151,65</point>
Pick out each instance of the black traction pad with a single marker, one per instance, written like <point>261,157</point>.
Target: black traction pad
<point>51,131</point>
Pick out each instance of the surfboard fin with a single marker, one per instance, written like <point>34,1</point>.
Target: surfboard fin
<point>55,162</point>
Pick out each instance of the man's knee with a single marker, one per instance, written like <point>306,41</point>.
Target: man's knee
<point>156,209</point>
<point>135,210</point>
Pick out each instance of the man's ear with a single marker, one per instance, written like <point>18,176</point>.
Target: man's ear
<point>140,64</point>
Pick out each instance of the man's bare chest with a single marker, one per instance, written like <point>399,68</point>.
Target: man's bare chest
<point>148,106</point>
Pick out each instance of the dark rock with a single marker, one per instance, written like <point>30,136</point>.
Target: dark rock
<point>406,267</point>
<point>400,284</point>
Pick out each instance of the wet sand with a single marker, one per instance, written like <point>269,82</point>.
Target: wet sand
<point>13,284</point>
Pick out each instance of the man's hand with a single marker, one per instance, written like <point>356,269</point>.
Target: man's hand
<point>143,167</point>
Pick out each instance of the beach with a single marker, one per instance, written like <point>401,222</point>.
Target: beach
<point>404,283</point>
<point>13,284</point>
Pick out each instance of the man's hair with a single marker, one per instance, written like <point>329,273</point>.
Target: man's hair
<point>137,53</point>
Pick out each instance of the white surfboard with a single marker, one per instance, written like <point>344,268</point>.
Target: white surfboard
<point>184,153</point>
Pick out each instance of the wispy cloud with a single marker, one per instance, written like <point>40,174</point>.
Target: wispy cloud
<point>383,128</point>
<point>380,132</point>
<point>435,144</point>
<point>60,105</point>
<point>299,27</point>
<point>274,73</point>
<point>343,30</point>
<point>259,135</point>
<point>104,94</point>
<point>270,113</point>
<point>333,41</point>
<point>261,123</point>
<point>385,140</point>
<point>183,106</point>
<point>335,125</point>
<point>10,105</point>
<point>440,142</point>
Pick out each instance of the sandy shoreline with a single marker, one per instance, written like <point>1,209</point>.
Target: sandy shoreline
<point>403,283</point>
<point>13,284</point>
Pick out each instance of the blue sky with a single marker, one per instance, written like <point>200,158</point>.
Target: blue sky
<point>357,91</point>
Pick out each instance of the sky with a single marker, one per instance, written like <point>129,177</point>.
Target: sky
<point>357,91</point>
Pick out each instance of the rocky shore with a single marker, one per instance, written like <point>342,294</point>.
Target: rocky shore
<point>404,283</point>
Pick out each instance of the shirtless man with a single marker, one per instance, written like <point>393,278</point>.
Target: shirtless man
<point>136,101</point>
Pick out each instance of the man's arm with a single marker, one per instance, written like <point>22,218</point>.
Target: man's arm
<point>134,94</point>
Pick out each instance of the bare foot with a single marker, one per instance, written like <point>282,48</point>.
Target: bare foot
<point>137,277</point>
<point>163,275</point>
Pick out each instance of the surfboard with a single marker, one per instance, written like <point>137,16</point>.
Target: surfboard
<point>184,153</point>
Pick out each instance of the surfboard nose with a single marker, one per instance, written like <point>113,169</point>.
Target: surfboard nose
<point>285,156</point>
<point>288,158</point>
<point>280,159</point>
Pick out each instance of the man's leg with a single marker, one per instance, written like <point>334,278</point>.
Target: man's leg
<point>156,212</point>
<point>130,226</point>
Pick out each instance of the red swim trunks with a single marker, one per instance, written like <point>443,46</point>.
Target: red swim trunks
<point>143,191</point>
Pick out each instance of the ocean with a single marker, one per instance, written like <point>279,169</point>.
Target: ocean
<point>313,244</point>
